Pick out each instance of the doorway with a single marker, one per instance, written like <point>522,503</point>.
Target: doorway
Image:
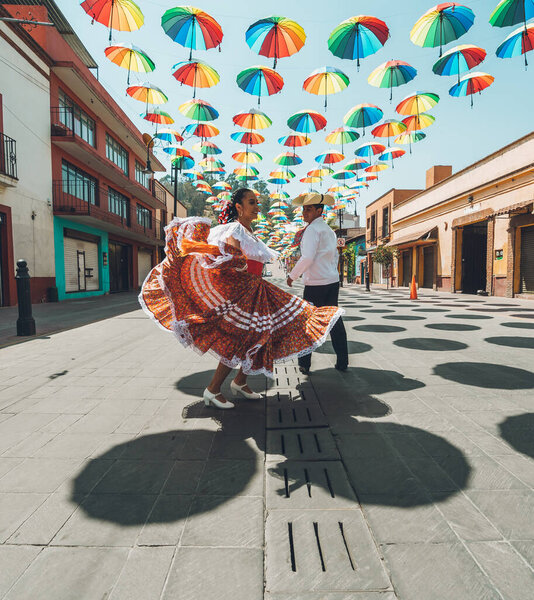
<point>407,267</point>
<point>3,258</point>
<point>474,250</point>
<point>428,267</point>
<point>119,267</point>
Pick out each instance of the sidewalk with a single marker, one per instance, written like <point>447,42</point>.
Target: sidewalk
<point>408,477</point>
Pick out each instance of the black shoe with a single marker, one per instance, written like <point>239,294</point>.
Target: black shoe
<point>304,370</point>
<point>342,367</point>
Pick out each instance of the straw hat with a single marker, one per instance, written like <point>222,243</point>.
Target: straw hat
<point>315,199</point>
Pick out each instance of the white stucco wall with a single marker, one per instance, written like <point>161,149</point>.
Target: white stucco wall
<point>26,113</point>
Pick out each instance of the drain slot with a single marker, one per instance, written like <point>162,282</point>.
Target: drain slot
<point>316,530</point>
<point>317,442</point>
<point>308,482</point>
<point>283,443</point>
<point>286,483</point>
<point>294,416</point>
<point>279,415</point>
<point>329,483</point>
<point>299,439</point>
<point>309,415</point>
<point>291,547</point>
<point>346,545</point>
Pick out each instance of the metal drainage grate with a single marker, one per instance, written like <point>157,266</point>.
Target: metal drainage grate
<point>300,444</point>
<point>304,414</point>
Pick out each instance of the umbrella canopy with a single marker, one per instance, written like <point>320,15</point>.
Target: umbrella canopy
<point>389,129</point>
<point>358,37</point>
<point>205,147</point>
<point>195,74</point>
<point>362,116</point>
<point>248,157</point>
<point>170,136</point>
<point>323,172</point>
<point>356,163</point>
<point>282,173</point>
<point>377,167</point>
<point>310,179</point>
<point>176,150</point>
<point>210,162</point>
<point>279,195</point>
<point>342,136</point>
<point>222,185</point>
<point>459,59</point>
<point>201,130</point>
<point>246,171</point>
<point>278,180</point>
<point>306,121</point>
<point>417,103</point>
<point>253,119</point>
<point>512,12</point>
<point>294,140</point>
<point>260,81</point>
<point>121,15</point>
<point>325,81</point>
<point>343,175</point>
<point>226,195</point>
<point>417,122</point>
<point>183,162</point>
<point>275,37</point>
<point>442,24</point>
<point>247,137</point>
<point>192,28</point>
<point>198,110</point>
<point>147,93</point>
<point>369,150</point>
<point>391,74</point>
<point>128,56</point>
<point>471,84</point>
<point>410,138</point>
<point>329,158</point>
<point>518,42</point>
<point>391,154</point>
<point>159,117</point>
<point>287,159</point>
<point>193,175</point>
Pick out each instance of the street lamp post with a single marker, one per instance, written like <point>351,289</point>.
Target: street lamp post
<point>174,175</point>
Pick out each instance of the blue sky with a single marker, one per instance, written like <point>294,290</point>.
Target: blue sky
<point>459,136</point>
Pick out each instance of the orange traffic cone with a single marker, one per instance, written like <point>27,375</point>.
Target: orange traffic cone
<point>413,289</point>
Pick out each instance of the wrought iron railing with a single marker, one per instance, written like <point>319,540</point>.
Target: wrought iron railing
<point>158,192</point>
<point>62,121</point>
<point>8,156</point>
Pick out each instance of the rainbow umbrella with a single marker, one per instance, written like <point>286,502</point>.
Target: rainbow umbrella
<point>260,81</point>
<point>357,163</point>
<point>159,117</point>
<point>377,167</point>
<point>247,137</point>
<point>121,15</point>
<point>342,136</point>
<point>195,74</point>
<point>147,93</point>
<point>192,28</point>
<point>343,175</point>
<point>391,74</point>
<point>193,175</point>
<point>389,128</point>
<point>222,185</point>
<point>253,119</point>
<point>442,24</point>
<point>306,121</point>
<point>279,195</point>
<point>287,159</point>
<point>205,148</point>
<point>325,81</point>
<point>329,158</point>
<point>211,200</point>
<point>201,130</point>
<point>310,179</point>
<point>183,162</point>
<point>275,37</point>
<point>322,172</point>
<point>226,195</point>
<point>362,116</point>
<point>278,180</point>
<point>246,171</point>
<point>198,110</point>
<point>459,59</point>
<point>211,162</point>
<point>391,154</point>
<point>369,150</point>
<point>176,150</point>
<point>471,84</point>
<point>358,37</point>
<point>417,122</point>
<point>518,42</point>
<point>284,173</point>
<point>128,56</point>
<point>512,12</point>
<point>248,157</point>
<point>170,136</point>
<point>417,103</point>
<point>410,138</point>
<point>294,140</point>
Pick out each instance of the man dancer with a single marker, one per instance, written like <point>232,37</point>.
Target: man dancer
<point>318,267</point>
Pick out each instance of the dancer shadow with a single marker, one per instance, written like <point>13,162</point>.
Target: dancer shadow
<point>517,431</point>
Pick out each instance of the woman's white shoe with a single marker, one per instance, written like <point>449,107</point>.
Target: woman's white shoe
<point>210,398</point>
<point>238,389</point>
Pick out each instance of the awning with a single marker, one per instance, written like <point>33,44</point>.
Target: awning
<point>514,207</point>
<point>419,238</point>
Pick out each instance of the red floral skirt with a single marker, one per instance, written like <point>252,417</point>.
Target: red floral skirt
<point>205,295</point>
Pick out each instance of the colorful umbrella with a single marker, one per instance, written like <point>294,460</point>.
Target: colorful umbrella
<point>211,162</point>
<point>247,137</point>
<point>356,163</point>
<point>329,158</point>
<point>377,167</point>
<point>170,136</point>
<point>459,59</point>
<point>306,121</point>
<point>176,150</point>
<point>193,175</point>
<point>325,81</point>
<point>391,74</point>
<point>279,195</point>
<point>248,157</point>
<point>343,175</point>
<point>342,136</point>
<point>195,74</point>
<point>417,122</point>
<point>198,110</point>
<point>246,171</point>
<point>260,81</point>
<point>128,56</point>
<point>222,185</point>
<point>417,103</point>
<point>192,28</point>
<point>121,15</point>
<point>471,84</point>
<point>358,37</point>
<point>287,159</point>
<point>205,148</point>
<point>369,150</point>
<point>226,195</point>
<point>392,153</point>
<point>159,117</point>
<point>310,179</point>
<point>283,173</point>
<point>512,12</point>
<point>275,37</point>
<point>201,130</point>
<point>183,162</point>
<point>442,24</point>
<point>518,42</point>
<point>389,129</point>
<point>323,172</point>
<point>147,93</point>
<point>253,119</point>
<point>362,116</point>
<point>294,140</point>
<point>410,138</point>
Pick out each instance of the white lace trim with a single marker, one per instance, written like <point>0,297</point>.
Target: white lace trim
<point>251,246</point>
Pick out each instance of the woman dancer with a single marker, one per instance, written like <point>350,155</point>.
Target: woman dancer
<point>210,293</point>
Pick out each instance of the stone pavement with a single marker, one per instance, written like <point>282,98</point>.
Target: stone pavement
<point>410,476</point>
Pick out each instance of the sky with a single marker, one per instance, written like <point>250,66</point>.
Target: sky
<point>460,136</point>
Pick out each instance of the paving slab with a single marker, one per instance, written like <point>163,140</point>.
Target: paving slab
<point>14,560</point>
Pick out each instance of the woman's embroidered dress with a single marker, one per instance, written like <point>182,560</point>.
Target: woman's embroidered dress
<point>203,292</point>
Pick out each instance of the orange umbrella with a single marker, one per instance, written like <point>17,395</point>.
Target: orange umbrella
<point>121,15</point>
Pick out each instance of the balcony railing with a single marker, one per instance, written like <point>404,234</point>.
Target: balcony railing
<point>8,156</point>
<point>158,193</point>
<point>62,121</point>
<point>86,199</point>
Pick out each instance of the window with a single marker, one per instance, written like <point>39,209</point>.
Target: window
<point>73,117</point>
<point>385,221</point>
<point>78,183</point>
<point>119,204</point>
<point>140,177</point>
<point>116,153</point>
<point>144,217</point>
<point>373,227</point>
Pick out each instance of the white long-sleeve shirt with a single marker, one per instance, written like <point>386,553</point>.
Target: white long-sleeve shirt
<point>319,255</point>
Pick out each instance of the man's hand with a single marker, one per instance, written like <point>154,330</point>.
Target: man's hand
<point>289,281</point>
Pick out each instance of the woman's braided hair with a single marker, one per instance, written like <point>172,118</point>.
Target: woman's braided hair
<point>229,212</point>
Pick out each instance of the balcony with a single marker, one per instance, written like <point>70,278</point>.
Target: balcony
<point>8,161</point>
<point>87,204</point>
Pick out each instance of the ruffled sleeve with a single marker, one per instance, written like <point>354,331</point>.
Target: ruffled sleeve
<point>252,247</point>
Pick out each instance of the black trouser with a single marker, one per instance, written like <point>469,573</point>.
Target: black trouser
<point>327,295</point>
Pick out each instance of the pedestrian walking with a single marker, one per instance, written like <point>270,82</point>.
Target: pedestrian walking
<point>318,267</point>
<point>209,291</point>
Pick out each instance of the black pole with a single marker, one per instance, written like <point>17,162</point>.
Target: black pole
<point>175,167</point>
<point>367,288</point>
<point>25,322</point>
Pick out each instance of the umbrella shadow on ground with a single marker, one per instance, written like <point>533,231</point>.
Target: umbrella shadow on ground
<point>517,431</point>
<point>486,375</point>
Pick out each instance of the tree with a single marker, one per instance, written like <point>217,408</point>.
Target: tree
<point>385,255</point>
